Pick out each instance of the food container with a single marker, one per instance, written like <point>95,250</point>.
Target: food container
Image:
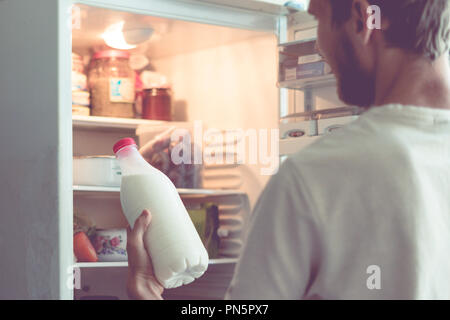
<point>80,93</point>
<point>80,98</point>
<point>112,84</point>
<point>173,151</point>
<point>83,249</point>
<point>111,245</point>
<point>79,81</point>
<point>157,104</point>
<point>296,130</point>
<point>78,110</point>
<point>300,61</point>
<point>96,171</point>
<point>206,222</point>
<point>77,63</point>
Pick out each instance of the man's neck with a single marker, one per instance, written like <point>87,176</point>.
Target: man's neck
<point>407,80</point>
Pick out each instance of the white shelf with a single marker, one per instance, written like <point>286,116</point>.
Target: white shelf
<point>124,264</point>
<point>95,189</point>
<point>209,192</point>
<point>223,261</point>
<point>92,122</point>
<point>182,192</point>
<point>307,83</point>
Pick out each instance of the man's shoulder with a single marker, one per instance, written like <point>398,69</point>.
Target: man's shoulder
<point>352,149</point>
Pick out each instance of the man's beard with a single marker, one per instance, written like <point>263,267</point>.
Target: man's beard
<point>355,86</point>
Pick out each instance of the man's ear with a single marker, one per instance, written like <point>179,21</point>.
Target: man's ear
<point>361,17</point>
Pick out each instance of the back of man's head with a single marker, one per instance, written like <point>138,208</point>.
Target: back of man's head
<point>418,26</point>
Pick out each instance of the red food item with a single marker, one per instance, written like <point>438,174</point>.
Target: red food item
<point>83,249</point>
<point>157,104</point>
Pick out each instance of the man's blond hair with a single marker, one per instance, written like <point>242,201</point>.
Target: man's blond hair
<point>418,26</point>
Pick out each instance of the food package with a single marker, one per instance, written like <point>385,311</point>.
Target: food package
<point>158,152</point>
<point>301,60</point>
<point>111,245</point>
<point>206,222</point>
<point>80,93</point>
<point>83,231</point>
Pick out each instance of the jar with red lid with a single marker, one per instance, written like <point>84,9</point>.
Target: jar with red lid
<point>157,104</point>
<point>112,84</point>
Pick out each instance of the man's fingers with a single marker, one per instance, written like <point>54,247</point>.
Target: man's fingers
<point>142,282</point>
<point>136,235</point>
<point>142,223</point>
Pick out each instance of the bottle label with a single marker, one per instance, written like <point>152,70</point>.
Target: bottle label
<point>117,170</point>
<point>121,90</point>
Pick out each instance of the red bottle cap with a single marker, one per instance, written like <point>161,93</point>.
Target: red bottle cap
<point>123,143</point>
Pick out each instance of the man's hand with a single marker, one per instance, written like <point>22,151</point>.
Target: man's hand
<point>142,283</point>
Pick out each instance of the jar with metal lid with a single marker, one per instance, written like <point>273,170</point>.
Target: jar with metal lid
<point>111,83</point>
<point>157,104</point>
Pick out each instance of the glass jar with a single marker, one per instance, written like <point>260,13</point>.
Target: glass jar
<point>111,82</point>
<point>157,104</point>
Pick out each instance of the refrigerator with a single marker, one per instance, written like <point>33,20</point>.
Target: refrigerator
<point>230,66</point>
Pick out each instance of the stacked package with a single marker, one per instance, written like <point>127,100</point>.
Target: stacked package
<point>302,61</point>
<point>80,93</point>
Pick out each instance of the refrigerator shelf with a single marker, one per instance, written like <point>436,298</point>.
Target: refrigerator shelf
<point>309,83</point>
<point>99,123</point>
<point>91,190</point>
<point>124,264</point>
<point>324,114</point>
<point>295,42</point>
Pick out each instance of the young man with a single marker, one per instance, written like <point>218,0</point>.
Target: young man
<point>364,213</point>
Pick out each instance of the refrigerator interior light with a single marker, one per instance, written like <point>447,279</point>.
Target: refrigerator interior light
<point>135,35</point>
<point>126,35</point>
<point>113,37</point>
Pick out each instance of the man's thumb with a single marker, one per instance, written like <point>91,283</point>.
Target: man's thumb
<point>141,224</point>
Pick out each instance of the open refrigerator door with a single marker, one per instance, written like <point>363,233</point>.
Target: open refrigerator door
<point>308,86</point>
<point>197,79</point>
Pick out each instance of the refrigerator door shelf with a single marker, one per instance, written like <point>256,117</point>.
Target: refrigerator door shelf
<point>293,145</point>
<point>326,126</point>
<point>297,130</point>
<point>291,139</point>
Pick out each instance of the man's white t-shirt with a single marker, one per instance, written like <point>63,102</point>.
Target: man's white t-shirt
<point>363,213</point>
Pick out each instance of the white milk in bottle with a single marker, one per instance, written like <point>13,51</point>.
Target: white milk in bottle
<point>177,252</point>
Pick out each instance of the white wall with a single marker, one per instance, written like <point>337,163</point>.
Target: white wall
<point>229,87</point>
